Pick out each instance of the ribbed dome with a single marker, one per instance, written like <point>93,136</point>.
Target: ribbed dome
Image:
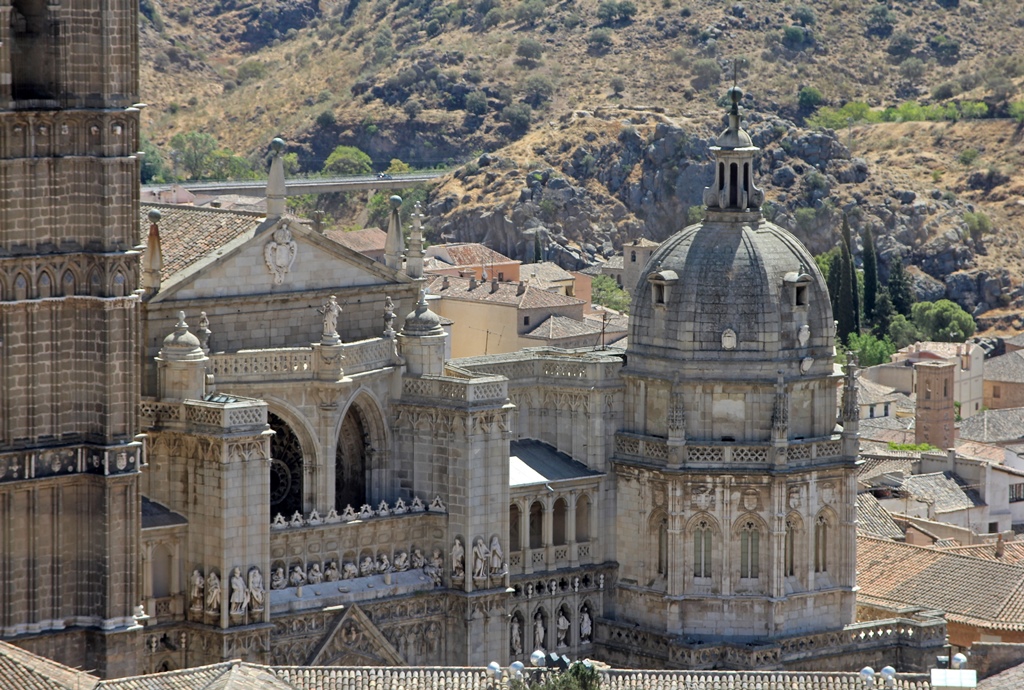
<point>732,287</point>
<point>181,345</point>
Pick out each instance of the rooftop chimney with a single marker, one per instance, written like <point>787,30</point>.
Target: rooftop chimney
<point>521,288</point>
<point>472,282</point>
<point>494,286</point>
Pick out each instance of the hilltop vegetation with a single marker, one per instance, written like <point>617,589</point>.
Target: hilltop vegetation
<point>920,94</point>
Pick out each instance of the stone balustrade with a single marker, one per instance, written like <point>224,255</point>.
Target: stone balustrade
<point>479,390</point>
<point>531,366</point>
<point>297,363</point>
<point>221,411</point>
<point>655,449</point>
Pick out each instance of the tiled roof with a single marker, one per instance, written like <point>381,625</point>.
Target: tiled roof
<point>616,323</point>
<point>902,575</point>
<point>994,426</point>
<point>945,490</point>
<point>614,262</point>
<point>229,675</point>
<point>545,272</point>
<point>871,393</point>
<point>875,520</point>
<point>1013,552</point>
<point>23,670</point>
<point>365,240</point>
<point>944,350</point>
<point>499,293</point>
<point>892,465</point>
<point>1008,368</point>
<point>643,242</point>
<point>981,451</point>
<point>1017,340</point>
<point>189,234</point>
<point>471,254</point>
<point>556,327</point>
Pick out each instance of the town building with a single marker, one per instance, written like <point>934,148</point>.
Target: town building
<point>968,372</point>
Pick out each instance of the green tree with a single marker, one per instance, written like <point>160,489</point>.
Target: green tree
<point>1016,111</point>
<point>870,274</point>
<point>538,89</point>
<point>851,268</point>
<point>902,331</point>
<point>846,309</point>
<point>518,116</point>
<point>883,313</point>
<point>870,349</point>
<point>476,102</point>
<point>809,98</point>
<point>900,291</point>
<point>153,167</point>
<point>805,15</point>
<point>225,165</point>
<point>599,40</point>
<point>706,72</point>
<point>194,151</point>
<point>607,11</point>
<point>943,321</point>
<point>606,292</point>
<point>529,12</point>
<point>880,21</point>
<point>397,166</point>
<point>618,85</point>
<point>348,160</point>
<point>912,70</point>
<point>529,50</point>
<point>833,276</point>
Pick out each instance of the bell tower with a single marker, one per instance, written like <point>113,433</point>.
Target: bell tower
<point>69,324</point>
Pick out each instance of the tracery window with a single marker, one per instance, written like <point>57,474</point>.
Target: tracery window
<point>750,538</point>
<point>663,547</point>
<point>702,549</point>
<point>285,469</point>
<point>789,564</point>
<point>821,544</point>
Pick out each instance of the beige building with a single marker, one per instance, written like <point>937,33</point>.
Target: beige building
<point>968,373</point>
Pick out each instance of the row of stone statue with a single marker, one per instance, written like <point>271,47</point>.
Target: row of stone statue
<point>331,310</point>
<point>350,514</point>
<point>486,560</point>
<point>349,570</point>
<point>247,595</point>
<point>562,626</point>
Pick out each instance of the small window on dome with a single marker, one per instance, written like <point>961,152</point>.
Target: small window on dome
<point>659,293</point>
<point>801,295</point>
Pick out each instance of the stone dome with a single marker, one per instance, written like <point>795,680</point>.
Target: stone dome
<point>181,345</point>
<point>732,289</point>
<point>421,321</point>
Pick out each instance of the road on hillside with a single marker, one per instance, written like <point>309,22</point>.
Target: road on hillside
<point>312,185</point>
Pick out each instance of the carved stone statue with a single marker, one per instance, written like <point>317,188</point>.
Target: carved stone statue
<point>331,310</point>
<point>383,564</point>
<point>280,253</point>
<point>239,593</point>
<point>538,630</point>
<point>331,573</point>
<point>562,630</point>
<point>297,578</point>
<point>458,560</point>
<point>435,568</point>
<point>197,590</point>
<point>257,594</point>
<point>401,563</point>
<point>367,568</point>
<point>481,558</point>
<point>516,637</point>
<point>497,557</point>
<point>213,593</point>
<point>315,576</point>
<point>586,625</point>
<point>389,318</point>
<point>349,571</point>
<point>278,580</point>
<point>418,559</point>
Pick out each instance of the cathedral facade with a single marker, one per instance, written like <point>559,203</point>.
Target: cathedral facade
<point>227,436</point>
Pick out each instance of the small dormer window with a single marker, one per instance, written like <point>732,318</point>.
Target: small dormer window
<point>801,295</point>
<point>798,285</point>
<point>661,282</point>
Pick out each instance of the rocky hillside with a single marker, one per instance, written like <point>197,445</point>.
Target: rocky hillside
<point>538,101</point>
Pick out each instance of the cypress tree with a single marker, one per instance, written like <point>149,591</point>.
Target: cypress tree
<point>845,313</point>
<point>900,292</point>
<point>883,313</point>
<point>870,274</point>
<point>835,270</point>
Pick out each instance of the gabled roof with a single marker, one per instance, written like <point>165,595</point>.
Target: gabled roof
<point>545,273</point>
<point>229,675</point>
<point>189,234</point>
<point>362,241</point>
<point>468,254</point>
<point>994,426</point>
<point>529,297</point>
<point>557,327</point>
<point>901,575</point>
<point>875,520</point>
<point>535,462</point>
<point>930,349</point>
<point>871,393</point>
<point>27,671</point>
<point>1010,679</point>
<point>1008,368</point>
<point>945,490</point>
<point>1013,552</point>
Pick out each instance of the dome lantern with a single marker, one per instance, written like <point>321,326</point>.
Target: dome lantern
<point>733,189</point>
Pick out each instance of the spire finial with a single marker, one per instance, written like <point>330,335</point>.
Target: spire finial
<point>181,321</point>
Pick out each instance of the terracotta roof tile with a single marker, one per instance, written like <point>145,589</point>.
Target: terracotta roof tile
<point>504,293</point>
<point>470,254</point>
<point>189,234</point>
<point>904,575</point>
<point>875,520</point>
<point>365,240</point>
<point>27,671</point>
<point>556,327</point>
<point>994,426</point>
<point>1010,679</point>
<point>1008,368</point>
<point>945,490</point>
<point>1013,552</point>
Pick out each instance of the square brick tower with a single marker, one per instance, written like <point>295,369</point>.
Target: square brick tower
<point>69,322</point>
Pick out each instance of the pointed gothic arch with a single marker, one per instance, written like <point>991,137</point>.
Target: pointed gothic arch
<point>360,452</point>
<point>45,285</point>
<point>286,468</point>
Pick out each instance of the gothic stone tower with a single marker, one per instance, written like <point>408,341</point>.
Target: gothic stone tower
<point>735,505</point>
<point>69,365</point>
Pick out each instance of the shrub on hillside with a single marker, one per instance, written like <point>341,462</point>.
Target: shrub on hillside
<point>518,116</point>
<point>599,40</point>
<point>706,72</point>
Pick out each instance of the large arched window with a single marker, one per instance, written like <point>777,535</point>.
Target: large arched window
<point>515,539</point>
<point>583,518</point>
<point>559,522</point>
<point>663,547</point>
<point>285,469</point>
<point>160,568</point>
<point>702,543</point>
<point>789,562</point>
<point>750,550</point>
<point>536,525</point>
<point>350,461</point>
